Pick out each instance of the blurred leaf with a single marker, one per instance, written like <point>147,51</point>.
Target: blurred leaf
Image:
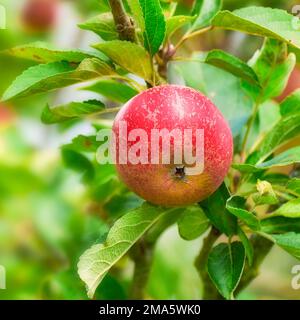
<point>280,225</point>
<point>103,25</point>
<point>84,144</point>
<point>119,204</point>
<point>71,110</point>
<point>155,25</point>
<point>247,245</point>
<point>44,53</point>
<point>79,163</point>
<point>176,22</point>
<point>273,66</point>
<point>232,64</point>
<point>96,261</point>
<point>269,115</point>
<point>231,99</point>
<point>104,190</point>
<point>192,223</point>
<point>265,22</point>
<point>113,90</point>
<point>289,242</point>
<point>225,267</point>
<point>205,11</point>
<point>129,56</point>
<point>236,206</point>
<point>14,178</point>
<point>294,185</point>
<point>215,209</point>
<point>291,104</point>
<point>276,178</point>
<point>110,289</point>
<point>55,75</point>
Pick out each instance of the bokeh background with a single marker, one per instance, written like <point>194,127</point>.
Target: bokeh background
<point>47,218</point>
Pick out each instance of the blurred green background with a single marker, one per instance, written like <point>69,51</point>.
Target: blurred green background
<point>47,217</point>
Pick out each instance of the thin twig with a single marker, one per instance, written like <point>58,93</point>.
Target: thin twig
<point>189,35</point>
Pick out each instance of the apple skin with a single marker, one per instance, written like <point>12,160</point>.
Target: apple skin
<point>6,114</point>
<point>39,15</point>
<point>175,107</point>
<point>292,85</point>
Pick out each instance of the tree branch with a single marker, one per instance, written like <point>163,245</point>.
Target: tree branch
<point>123,22</point>
<point>142,255</point>
<point>209,290</point>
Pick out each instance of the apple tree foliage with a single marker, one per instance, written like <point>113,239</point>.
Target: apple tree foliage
<point>255,208</point>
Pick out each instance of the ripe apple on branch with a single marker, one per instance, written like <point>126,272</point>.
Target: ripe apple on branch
<point>236,200</point>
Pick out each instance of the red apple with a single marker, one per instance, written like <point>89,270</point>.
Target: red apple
<point>293,84</point>
<point>173,107</point>
<point>39,15</point>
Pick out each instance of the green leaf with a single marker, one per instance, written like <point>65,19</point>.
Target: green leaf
<point>129,56</point>
<point>174,23</point>
<point>215,209</point>
<point>84,144</point>
<point>285,129</point>
<point>71,110</point>
<point>265,22</point>
<point>137,13</point>
<point>289,242</point>
<point>291,104</point>
<point>205,11</point>
<point>79,163</point>
<point>273,67</point>
<point>286,158</point>
<point>294,185</point>
<point>44,53</point>
<point>290,209</point>
<point>192,223</point>
<point>280,225</point>
<point>96,261</point>
<point>247,245</point>
<point>246,168</point>
<point>103,25</point>
<point>232,101</point>
<point>236,206</point>
<point>47,77</point>
<point>232,64</point>
<point>155,25</point>
<point>113,90</point>
<point>225,267</point>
